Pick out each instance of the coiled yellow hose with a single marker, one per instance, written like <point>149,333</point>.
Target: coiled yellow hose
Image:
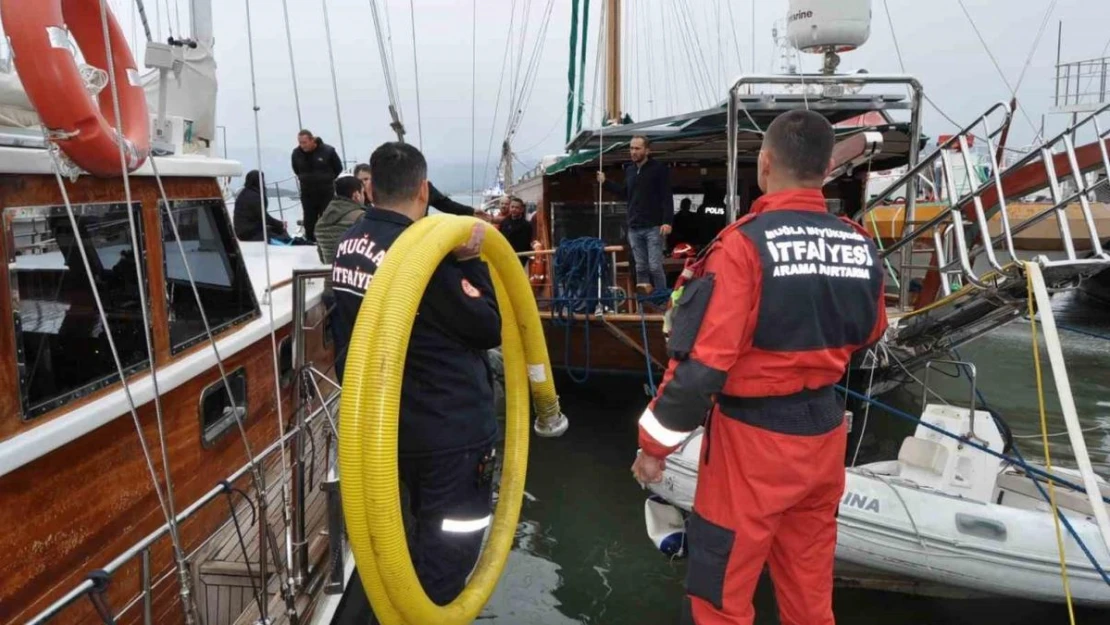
<point>369,405</point>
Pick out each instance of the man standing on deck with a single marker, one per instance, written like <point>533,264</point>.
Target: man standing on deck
<point>316,165</point>
<point>647,189</point>
<point>447,415</point>
<point>767,324</point>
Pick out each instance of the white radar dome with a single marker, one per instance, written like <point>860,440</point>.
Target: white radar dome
<point>821,25</point>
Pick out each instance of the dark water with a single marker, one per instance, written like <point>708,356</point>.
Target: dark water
<point>583,555</point>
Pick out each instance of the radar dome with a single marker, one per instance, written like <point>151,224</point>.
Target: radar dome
<point>824,25</point>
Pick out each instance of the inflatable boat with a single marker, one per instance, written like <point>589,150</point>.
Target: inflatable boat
<point>943,512</point>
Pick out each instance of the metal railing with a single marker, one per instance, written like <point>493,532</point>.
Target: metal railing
<point>957,257</point>
<point>1082,86</point>
<point>295,437</point>
<point>739,104</point>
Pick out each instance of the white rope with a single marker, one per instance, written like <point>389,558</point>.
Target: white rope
<point>531,74</point>
<point>867,404</point>
<point>334,87</point>
<point>167,500</point>
<point>416,76</point>
<point>269,284</point>
<point>292,63</point>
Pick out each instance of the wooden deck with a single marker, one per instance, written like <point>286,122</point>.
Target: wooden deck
<point>228,579</point>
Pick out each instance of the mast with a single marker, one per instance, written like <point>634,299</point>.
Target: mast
<point>613,61</point>
<point>202,22</point>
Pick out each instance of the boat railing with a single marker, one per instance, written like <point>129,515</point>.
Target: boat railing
<point>1082,86</point>
<point>961,234</point>
<point>295,437</point>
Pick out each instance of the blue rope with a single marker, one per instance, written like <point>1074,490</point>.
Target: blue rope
<point>1082,331</point>
<point>1040,489</point>
<point>579,270</point>
<point>658,297</point>
<point>1014,461</point>
<point>1076,330</point>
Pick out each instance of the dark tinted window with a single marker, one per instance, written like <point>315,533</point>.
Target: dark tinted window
<point>62,349</point>
<point>217,267</point>
<point>217,412</point>
<point>285,360</point>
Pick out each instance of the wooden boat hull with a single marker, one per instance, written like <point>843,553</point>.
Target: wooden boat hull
<point>611,346</point>
<point>76,507</point>
<point>79,507</point>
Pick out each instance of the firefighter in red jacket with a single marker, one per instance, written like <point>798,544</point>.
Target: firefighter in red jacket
<point>766,322</point>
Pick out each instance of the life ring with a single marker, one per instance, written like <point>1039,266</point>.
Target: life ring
<point>83,128</point>
<point>368,423</point>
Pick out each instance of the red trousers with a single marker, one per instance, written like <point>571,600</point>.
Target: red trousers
<point>764,497</point>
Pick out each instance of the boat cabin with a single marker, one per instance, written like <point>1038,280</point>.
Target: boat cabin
<point>695,147</point>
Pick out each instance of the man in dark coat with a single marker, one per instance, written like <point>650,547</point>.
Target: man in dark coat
<point>316,165</point>
<point>249,205</point>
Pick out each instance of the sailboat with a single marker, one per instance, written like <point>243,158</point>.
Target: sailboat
<point>166,431</point>
<point>1032,203</point>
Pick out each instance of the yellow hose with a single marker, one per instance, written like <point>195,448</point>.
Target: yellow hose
<point>369,419</point>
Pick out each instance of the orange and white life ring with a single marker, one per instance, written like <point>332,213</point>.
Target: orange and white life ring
<point>86,130</point>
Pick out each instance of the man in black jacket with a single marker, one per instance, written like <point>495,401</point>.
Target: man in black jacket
<point>447,420</point>
<point>436,199</point>
<point>647,189</point>
<point>250,205</point>
<point>316,165</point>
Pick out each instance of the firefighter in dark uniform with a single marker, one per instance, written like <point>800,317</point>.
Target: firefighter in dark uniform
<point>447,421</point>
<point>766,323</point>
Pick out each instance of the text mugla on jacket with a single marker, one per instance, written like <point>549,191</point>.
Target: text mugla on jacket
<point>447,393</point>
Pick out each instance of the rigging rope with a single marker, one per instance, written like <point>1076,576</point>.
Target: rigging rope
<point>1001,74</point>
<point>1047,454</point>
<point>273,327</point>
<point>531,74</point>
<point>506,59</point>
<point>390,85</point>
<point>416,76</point>
<point>142,16</point>
<point>292,63</point>
<point>165,503</point>
<point>334,86</point>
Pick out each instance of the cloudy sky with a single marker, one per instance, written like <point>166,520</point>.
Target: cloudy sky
<point>667,44</point>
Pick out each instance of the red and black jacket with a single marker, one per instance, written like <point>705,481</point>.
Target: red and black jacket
<point>795,292</point>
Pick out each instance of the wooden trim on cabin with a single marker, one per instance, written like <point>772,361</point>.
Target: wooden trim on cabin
<point>42,190</point>
<point>10,405</point>
<point>156,275</point>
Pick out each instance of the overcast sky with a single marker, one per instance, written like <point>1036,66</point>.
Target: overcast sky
<point>938,45</point>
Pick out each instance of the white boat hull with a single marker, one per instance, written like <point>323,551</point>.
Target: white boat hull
<point>891,525</point>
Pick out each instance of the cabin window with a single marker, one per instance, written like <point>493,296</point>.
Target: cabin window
<point>285,360</point>
<point>218,411</point>
<point>62,349</point>
<point>217,267</point>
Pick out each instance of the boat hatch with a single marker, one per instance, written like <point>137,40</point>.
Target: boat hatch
<point>217,269</point>
<point>218,411</point>
<point>62,350</point>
